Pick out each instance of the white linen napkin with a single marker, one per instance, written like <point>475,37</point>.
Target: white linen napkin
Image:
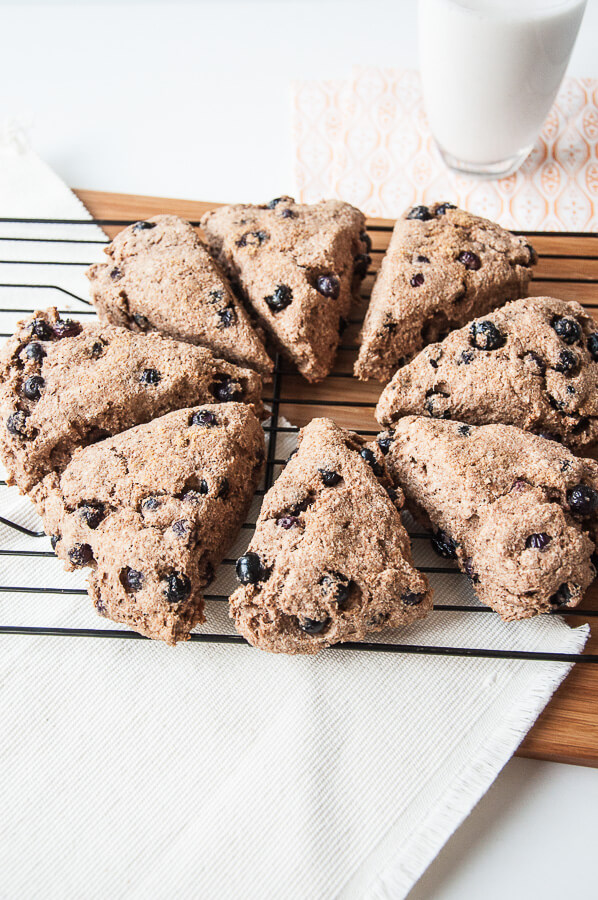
<point>131,769</point>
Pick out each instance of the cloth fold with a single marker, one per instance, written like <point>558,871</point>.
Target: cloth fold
<point>366,139</point>
<point>132,769</point>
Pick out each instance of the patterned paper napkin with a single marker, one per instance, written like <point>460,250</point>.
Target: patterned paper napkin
<point>367,140</point>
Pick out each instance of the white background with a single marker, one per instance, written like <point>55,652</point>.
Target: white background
<point>193,100</point>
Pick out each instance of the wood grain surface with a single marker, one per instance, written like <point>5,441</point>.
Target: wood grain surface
<point>567,731</point>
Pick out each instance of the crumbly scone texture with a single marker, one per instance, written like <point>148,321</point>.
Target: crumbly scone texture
<point>533,363</point>
<point>443,267</point>
<point>64,385</point>
<point>161,277</point>
<point>152,511</point>
<point>297,265</point>
<point>506,504</point>
<point>330,559</point>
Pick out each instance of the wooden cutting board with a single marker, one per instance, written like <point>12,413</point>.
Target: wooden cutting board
<point>567,731</point>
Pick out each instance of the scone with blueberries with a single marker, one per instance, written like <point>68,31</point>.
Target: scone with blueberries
<point>297,265</point>
<point>517,511</point>
<point>443,267</point>
<point>330,560</point>
<point>533,363</point>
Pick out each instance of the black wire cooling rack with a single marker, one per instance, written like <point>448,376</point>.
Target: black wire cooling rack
<point>276,397</point>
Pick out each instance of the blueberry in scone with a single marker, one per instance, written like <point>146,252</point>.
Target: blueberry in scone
<point>517,511</point>
<point>330,559</point>
<point>161,277</point>
<point>146,511</point>
<point>64,385</point>
<point>443,267</point>
<point>528,364</point>
<point>297,266</point>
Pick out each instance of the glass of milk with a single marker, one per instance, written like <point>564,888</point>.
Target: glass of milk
<point>490,71</point>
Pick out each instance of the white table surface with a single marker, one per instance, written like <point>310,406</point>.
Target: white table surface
<point>193,100</point>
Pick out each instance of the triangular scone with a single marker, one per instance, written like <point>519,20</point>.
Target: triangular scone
<point>533,363</point>
<point>443,267</point>
<point>161,278</point>
<point>330,559</point>
<point>517,511</point>
<point>64,385</point>
<point>298,266</point>
<point>152,511</point>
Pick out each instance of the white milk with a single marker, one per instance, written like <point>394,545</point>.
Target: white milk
<point>491,70</point>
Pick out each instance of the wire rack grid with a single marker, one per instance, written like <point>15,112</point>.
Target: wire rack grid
<point>277,395</point>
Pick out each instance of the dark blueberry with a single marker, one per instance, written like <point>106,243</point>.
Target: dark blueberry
<point>274,203</point>
<point>593,345</point>
<point>417,280</point>
<point>92,514</point>
<point>39,328</point>
<point>442,208</point>
<point>391,327</point>
<point>301,506</point>
<point>287,521</point>
<point>150,504</point>
<point>116,273</point>
<point>141,321</point>
<point>204,418</point>
<point>486,336</point>
<point>181,527</point>
<point>67,328</point>
<point>562,596</point>
<point>443,545</point>
<point>366,239</point>
<point>420,212</point>
<point>567,329</point>
<point>533,256</point>
<point>80,554</point>
<point>178,587</point>
<point>370,459</point>
<point>470,260</point>
<point>537,360</point>
<point>329,478</point>
<point>567,361</point>
<point>422,259</point>
<point>253,238</point>
<point>143,226</point>
<point>32,387</point>
<point>249,569</point>
<point>361,264</point>
<point>565,465</point>
<point>433,363</point>
<point>570,389</point>
<point>280,299</point>
<point>466,358</point>
<point>312,626</point>
<point>384,443</point>
<point>292,454</point>
<point>287,213</point>
<point>226,390</point>
<point>336,587</point>
<point>54,538</point>
<point>97,348</point>
<point>150,376</point>
<point>464,430</point>
<point>216,296</point>
<point>131,579</point>
<point>35,351</point>
<point>17,424</point>
<point>100,607</point>
<point>582,499</point>
<point>412,599</point>
<point>223,490</point>
<point>227,316</point>
<point>328,286</point>
<point>537,541</point>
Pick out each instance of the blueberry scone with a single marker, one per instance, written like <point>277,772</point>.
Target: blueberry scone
<point>517,511</point>
<point>443,267</point>
<point>330,559</point>
<point>533,363</point>
<point>297,266</point>
<point>160,277</point>
<point>152,512</point>
<point>64,385</point>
